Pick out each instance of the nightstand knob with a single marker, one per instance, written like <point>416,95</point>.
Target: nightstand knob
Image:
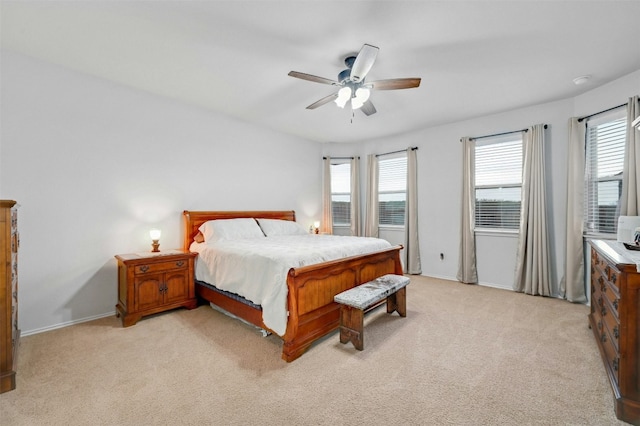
<point>180,263</point>
<point>144,268</point>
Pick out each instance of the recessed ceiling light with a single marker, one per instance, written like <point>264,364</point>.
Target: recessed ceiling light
<point>581,80</point>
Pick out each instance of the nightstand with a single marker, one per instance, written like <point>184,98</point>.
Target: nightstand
<point>149,283</point>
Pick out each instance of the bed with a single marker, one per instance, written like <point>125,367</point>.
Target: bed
<point>312,313</point>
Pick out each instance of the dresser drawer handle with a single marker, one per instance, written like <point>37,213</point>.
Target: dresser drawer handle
<point>180,263</point>
<point>603,311</point>
<point>615,363</point>
<point>603,338</point>
<point>616,332</point>
<point>144,268</point>
<point>599,325</point>
<point>615,304</point>
<point>593,270</point>
<point>607,270</point>
<point>614,278</point>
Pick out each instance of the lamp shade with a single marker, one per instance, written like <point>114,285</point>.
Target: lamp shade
<point>155,234</point>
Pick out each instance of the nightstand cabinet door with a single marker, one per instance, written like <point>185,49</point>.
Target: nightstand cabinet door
<point>148,291</point>
<point>177,286</point>
<point>149,284</point>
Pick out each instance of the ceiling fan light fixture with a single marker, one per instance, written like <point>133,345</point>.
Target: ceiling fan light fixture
<point>363,94</point>
<point>344,95</point>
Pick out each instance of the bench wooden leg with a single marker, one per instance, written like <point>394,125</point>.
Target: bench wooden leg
<point>398,302</point>
<point>351,326</point>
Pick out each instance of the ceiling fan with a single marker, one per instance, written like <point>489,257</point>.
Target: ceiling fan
<point>353,86</point>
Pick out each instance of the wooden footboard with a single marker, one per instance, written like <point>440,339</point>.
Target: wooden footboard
<point>312,311</point>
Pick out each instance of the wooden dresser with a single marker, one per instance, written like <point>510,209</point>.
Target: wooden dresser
<point>9,333</point>
<point>615,321</point>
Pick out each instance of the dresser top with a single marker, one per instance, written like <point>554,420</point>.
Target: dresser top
<point>7,203</point>
<point>617,253</point>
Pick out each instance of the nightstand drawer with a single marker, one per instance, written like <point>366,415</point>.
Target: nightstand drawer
<point>160,267</point>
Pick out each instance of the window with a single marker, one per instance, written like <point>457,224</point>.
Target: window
<point>341,194</point>
<point>392,189</point>
<point>498,181</point>
<point>605,140</point>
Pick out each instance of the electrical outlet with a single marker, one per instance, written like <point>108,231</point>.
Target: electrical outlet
<point>441,256</point>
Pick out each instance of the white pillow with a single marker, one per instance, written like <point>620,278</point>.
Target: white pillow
<point>230,229</point>
<point>272,227</point>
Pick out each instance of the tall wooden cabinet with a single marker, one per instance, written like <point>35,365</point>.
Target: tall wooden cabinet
<point>9,333</point>
<point>615,321</point>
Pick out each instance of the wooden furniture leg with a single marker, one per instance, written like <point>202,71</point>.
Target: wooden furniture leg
<point>398,302</point>
<point>351,326</point>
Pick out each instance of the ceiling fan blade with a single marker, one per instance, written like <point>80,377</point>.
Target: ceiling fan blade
<point>313,78</point>
<point>368,108</point>
<point>363,63</point>
<point>394,84</point>
<point>323,101</point>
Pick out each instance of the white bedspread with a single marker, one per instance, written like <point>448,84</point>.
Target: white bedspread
<point>256,268</point>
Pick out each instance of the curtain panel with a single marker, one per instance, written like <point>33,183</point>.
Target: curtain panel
<point>629,200</point>
<point>356,228</point>
<point>467,271</point>
<point>572,285</point>
<point>326,225</point>
<point>532,259</point>
<point>411,240</point>
<point>371,220</point>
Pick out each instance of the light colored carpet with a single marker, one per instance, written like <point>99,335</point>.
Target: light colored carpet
<point>464,355</point>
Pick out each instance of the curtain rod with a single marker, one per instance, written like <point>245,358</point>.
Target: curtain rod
<point>341,158</point>
<point>500,134</point>
<point>413,148</point>
<point>600,112</point>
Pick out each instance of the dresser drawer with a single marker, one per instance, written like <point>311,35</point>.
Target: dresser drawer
<point>612,357</point>
<point>603,292</point>
<point>161,266</point>
<point>611,322</point>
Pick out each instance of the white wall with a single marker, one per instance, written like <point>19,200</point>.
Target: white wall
<point>94,165</point>
<point>439,180</point>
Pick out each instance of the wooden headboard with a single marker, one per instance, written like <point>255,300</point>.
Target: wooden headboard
<point>193,219</point>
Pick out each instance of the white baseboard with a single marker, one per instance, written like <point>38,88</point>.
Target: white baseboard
<point>65,324</point>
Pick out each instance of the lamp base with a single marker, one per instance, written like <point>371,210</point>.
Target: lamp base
<point>155,246</point>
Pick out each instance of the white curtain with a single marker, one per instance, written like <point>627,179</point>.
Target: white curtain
<point>326,225</point>
<point>629,200</point>
<point>371,220</point>
<point>356,229</point>
<point>572,284</point>
<point>532,259</point>
<point>467,272</point>
<point>411,245</point>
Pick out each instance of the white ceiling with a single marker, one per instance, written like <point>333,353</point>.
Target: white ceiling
<point>474,57</point>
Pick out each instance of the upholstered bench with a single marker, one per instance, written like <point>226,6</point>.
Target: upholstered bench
<point>356,301</point>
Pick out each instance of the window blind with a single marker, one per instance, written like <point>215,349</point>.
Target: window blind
<point>392,189</point>
<point>341,193</point>
<point>604,161</point>
<point>498,182</point>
